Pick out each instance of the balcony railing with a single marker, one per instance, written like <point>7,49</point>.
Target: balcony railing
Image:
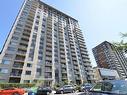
<point>19,59</point>
<point>63,66</point>
<point>15,74</point>
<point>48,64</point>
<point>22,47</point>
<point>64,77</point>
<point>18,66</point>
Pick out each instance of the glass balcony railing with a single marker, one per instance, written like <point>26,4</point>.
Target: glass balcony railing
<point>15,74</point>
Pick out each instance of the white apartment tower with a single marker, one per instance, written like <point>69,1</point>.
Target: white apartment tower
<point>45,44</point>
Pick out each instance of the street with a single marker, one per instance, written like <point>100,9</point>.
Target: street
<point>76,93</point>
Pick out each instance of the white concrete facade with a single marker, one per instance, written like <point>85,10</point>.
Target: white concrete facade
<point>50,47</point>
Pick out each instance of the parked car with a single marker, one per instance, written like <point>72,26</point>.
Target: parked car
<point>111,87</point>
<point>86,87</point>
<point>12,91</point>
<point>66,89</point>
<point>44,90</point>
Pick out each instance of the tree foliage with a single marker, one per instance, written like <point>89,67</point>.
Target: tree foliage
<point>122,45</point>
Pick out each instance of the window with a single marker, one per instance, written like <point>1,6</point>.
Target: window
<point>11,49</point>
<point>40,57</point>
<point>8,55</point>
<point>19,29</point>
<point>43,25</point>
<point>28,72</point>
<point>6,61</point>
<point>30,58</point>
<point>37,22</point>
<point>29,65</point>
<point>19,25</point>
<point>13,43</point>
<point>17,33</point>
<point>26,81</point>
<point>40,52</point>
<point>42,31</point>
<point>44,19</point>
<point>38,17</point>
<point>15,38</point>
<point>36,28</point>
<point>38,70</point>
<point>3,70</point>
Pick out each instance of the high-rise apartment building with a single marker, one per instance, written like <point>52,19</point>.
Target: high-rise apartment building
<point>109,56</point>
<point>45,44</point>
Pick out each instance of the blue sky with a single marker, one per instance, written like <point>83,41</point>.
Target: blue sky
<point>99,20</point>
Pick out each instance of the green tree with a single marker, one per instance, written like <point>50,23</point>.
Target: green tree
<point>65,82</point>
<point>122,45</point>
<point>56,86</point>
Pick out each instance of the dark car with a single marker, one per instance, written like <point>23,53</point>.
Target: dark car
<point>66,89</point>
<point>44,90</point>
<point>86,87</point>
<point>111,87</point>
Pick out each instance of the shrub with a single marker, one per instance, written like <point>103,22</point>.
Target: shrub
<point>78,88</point>
<point>18,85</point>
<point>56,86</point>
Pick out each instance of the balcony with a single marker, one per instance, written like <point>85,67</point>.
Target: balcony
<point>48,70</point>
<point>49,30</point>
<point>76,72</point>
<point>63,61</point>
<point>62,56</point>
<point>25,37</point>
<point>29,22</point>
<point>24,42</point>
<point>49,23</point>
<point>87,64</point>
<point>18,65</point>
<point>84,56</point>
<point>64,71</point>
<point>49,58</point>
<point>49,40</point>
<point>49,44</point>
<point>14,79</point>
<point>76,68</point>
<point>75,63</point>
<point>31,14</point>
<point>48,64</point>
<point>64,77</point>
<point>63,66</point>
<point>48,54</point>
<point>49,36</point>
<point>22,47</point>
<point>86,60</point>
<point>49,78</point>
<point>83,49</point>
<point>16,73</point>
<point>19,58</point>
<point>49,18</point>
<point>26,34</point>
<point>48,75</point>
<point>21,53</point>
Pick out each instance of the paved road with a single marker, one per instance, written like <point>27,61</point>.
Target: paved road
<point>77,93</point>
